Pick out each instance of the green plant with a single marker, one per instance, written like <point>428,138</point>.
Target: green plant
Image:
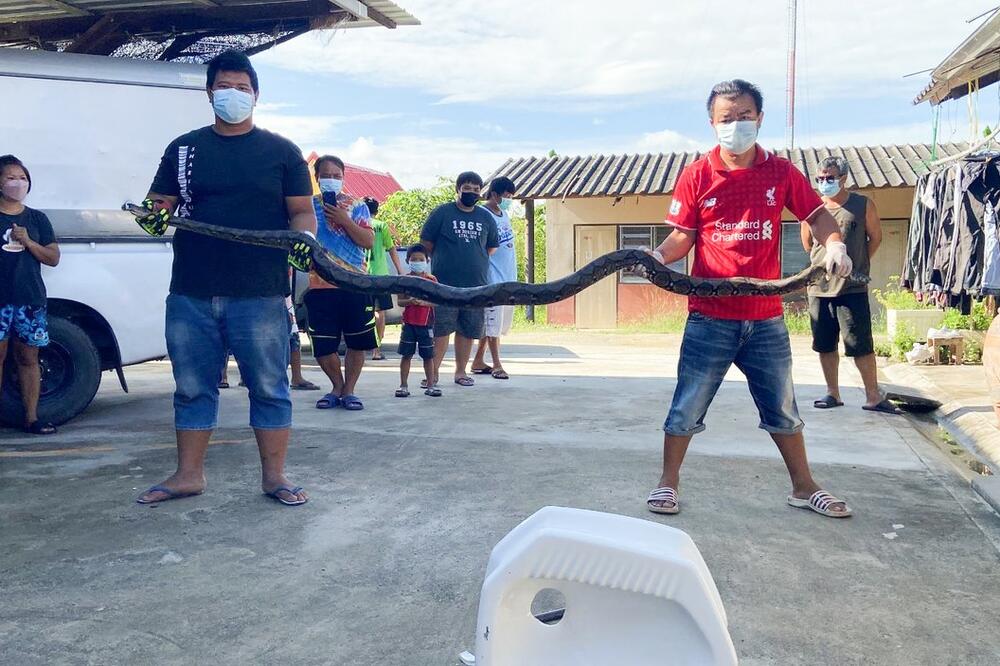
<point>883,349</point>
<point>903,340</point>
<point>973,352</point>
<point>797,321</point>
<point>955,319</point>
<point>407,210</point>
<point>979,318</point>
<point>894,297</point>
<point>521,318</point>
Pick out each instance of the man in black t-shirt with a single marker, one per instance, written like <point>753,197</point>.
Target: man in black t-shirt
<point>226,295</point>
<point>460,236</point>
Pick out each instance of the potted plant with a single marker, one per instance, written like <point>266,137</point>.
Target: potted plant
<point>903,309</point>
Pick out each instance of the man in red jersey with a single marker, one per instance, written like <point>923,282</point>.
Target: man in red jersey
<point>727,205</point>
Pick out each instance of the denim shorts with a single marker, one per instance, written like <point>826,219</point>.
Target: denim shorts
<point>255,330</point>
<point>760,349</point>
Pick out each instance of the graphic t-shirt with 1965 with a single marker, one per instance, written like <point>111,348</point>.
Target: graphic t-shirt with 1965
<point>462,240</point>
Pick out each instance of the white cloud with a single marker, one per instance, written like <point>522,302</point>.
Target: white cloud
<point>589,49</point>
<point>309,129</point>
<point>667,141</point>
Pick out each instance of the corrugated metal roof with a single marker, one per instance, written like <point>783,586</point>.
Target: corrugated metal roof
<point>362,182</point>
<point>626,175</point>
<point>976,61</point>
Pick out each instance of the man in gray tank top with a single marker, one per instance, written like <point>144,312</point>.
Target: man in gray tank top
<point>838,309</point>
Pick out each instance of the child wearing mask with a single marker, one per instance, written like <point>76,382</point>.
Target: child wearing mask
<point>417,335</point>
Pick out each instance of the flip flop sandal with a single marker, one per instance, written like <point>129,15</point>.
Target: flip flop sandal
<point>223,385</point>
<point>380,357</point>
<point>465,381</point>
<point>885,407</point>
<point>328,401</point>
<point>500,374</point>
<point>486,370</point>
<point>664,494</point>
<point>827,402</point>
<point>820,502</point>
<point>403,393</point>
<point>305,386</point>
<point>293,491</point>
<point>39,428</point>
<point>433,392</point>
<point>352,403</point>
<point>170,495</point>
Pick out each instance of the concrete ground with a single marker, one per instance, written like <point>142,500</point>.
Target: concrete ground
<point>384,565</point>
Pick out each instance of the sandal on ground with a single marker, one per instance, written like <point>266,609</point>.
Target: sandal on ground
<point>378,357</point>
<point>304,385</point>
<point>170,495</point>
<point>352,403</point>
<point>328,401</point>
<point>291,491</point>
<point>433,392</point>
<point>500,374</point>
<point>423,384</point>
<point>39,428</point>
<point>485,370</point>
<point>664,494</point>
<point>465,381</point>
<point>827,402</point>
<point>223,385</point>
<point>402,392</point>
<point>820,502</point>
<point>885,407</point>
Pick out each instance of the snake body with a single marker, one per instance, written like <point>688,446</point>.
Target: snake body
<point>341,274</point>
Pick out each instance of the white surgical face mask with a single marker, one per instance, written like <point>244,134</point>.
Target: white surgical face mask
<point>331,185</point>
<point>418,266</point>
<point>738,136</point>
<point>829,189</point>
<point>231,105</point>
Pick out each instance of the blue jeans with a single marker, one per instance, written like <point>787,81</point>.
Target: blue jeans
<point>760,349</point>
<point>255,330</point>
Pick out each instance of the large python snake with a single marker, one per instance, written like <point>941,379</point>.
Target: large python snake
<point>337,272</point>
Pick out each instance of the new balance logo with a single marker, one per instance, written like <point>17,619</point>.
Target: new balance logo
<point>767,231</point>
<point>708,203</point>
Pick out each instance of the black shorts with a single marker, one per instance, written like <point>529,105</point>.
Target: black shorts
<point>467,322</point>
<point>848,315</point>
<point>383,302</point>
<point>416,338</point>
<point>336,314</point>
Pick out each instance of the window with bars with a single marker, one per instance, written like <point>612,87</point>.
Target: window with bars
<point>648,236</point>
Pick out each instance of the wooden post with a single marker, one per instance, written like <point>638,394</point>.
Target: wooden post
<point>529,213</point>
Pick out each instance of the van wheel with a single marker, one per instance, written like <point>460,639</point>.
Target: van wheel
<point>71,374</point>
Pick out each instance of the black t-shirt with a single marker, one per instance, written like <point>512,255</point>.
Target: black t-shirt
<point>20,273</point>
<point>461,240</point>
<point>233,181</point>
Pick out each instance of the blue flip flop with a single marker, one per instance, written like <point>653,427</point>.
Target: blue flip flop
<point>292,491</point>
<point>328,401</point>
<point>170,495</point>
<point>352,402</point>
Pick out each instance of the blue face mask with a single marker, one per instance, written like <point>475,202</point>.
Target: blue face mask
<point>505,204</point>
<point>231,105</point>
<point>418,266</point>
<point>828,189</point>
<point>334,185</point>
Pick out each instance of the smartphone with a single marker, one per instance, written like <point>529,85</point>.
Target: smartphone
<point>330,198</point>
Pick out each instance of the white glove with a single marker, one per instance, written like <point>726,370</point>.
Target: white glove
<point>837,261</point>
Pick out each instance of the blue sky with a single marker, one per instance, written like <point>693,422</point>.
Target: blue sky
<point>478,82</point>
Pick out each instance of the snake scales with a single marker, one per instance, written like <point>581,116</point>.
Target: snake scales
<point>341,274</point>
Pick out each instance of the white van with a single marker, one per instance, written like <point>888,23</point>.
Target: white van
<point>91,130</point>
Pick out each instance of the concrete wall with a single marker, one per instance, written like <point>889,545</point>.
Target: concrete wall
<point>638,301</point>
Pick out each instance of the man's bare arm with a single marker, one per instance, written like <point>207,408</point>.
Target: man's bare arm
<point>824,227</point>
<point>340,216</point>
<point>806,236</point>
<point>301,214</point>
<point>676,246</point>
<point>873,227</point>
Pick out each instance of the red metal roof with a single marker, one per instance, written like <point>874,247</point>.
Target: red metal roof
<point>361,181</point>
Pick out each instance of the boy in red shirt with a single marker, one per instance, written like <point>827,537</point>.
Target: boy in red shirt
<point>727,206</point>
<point>417,335</point>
